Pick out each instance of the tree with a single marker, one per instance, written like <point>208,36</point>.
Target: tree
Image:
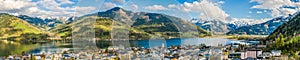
<point>281,41</point>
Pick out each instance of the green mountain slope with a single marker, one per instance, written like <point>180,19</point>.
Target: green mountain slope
<point>287,37</point>
<point>11,26</point>
<point>289,29</point>
<point>140,25</point>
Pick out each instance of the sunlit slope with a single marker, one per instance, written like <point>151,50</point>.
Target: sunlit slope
<point>13,26</point>
<point>139,25</point>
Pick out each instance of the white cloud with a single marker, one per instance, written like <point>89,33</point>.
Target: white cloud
<point>134,6</point>
<point>221,2</point>
<point>206,9</point>
<point>66,2</point>
<point>172,6</point>
<point>51,8</point>
<point>156,7</point>
<point>131,6</point>
<point>84,10</point>
<point>15,4</point>
<point>108,5</point>
<point>259,12</point>
<point>250,12</point>
<point>276,7</point>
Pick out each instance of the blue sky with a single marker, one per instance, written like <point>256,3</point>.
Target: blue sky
<point>186,9</point>
<point>241,9</point>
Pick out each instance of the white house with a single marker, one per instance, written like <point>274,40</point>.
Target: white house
<point>276,53</point>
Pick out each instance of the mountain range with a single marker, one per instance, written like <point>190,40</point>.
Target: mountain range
<point>46,23</point>
<point>241,27</point>
<point>261,29</point>
<point>214,26</point>
<point>222,27</point>
<point>139,25</point>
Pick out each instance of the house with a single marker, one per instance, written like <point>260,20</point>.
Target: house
<point>276,53</point>
<point>244,55</point>
<point>234,55</point>
<point>253,53</point>
<point>261,46</point>
<point>266,55</point>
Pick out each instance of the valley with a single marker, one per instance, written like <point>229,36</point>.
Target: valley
<point>143,27</point>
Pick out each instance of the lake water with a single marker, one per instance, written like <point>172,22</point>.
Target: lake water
<point>59,46</point>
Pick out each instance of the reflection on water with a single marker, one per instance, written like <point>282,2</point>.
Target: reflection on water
<point>59,47</point>
<point>55,47</point>
<point>12,48</point>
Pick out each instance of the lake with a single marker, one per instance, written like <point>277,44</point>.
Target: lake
<point>54,47</point>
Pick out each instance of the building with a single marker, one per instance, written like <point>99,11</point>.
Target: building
<point>253,53</point>
<point>276,53</point>
<point>234,55</point>
<point>266,55</point>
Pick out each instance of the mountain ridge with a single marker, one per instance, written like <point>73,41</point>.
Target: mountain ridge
<point>265,28</point>
<point>11,26</point>
<point>141,24</point>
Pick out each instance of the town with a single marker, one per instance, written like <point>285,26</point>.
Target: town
<point>240,50</point>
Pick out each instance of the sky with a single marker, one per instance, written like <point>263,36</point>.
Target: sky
<point>225,10</point>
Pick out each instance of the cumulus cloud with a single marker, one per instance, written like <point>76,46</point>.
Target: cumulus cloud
<point>206,9</point>
<point>277,7</point>
<point>15,4</point>
<point>51,8</point>
<point>108,5</point>
<point>156,7</point>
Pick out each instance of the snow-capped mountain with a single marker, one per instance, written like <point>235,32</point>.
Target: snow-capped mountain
<point>246,22</point>
<point>263,28</point>
<point>214,26</point>
<point>46,23</point>
<point>221,27</point>
<point>242,26</point>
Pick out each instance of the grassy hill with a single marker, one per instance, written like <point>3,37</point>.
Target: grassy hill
<point>11,26</point>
